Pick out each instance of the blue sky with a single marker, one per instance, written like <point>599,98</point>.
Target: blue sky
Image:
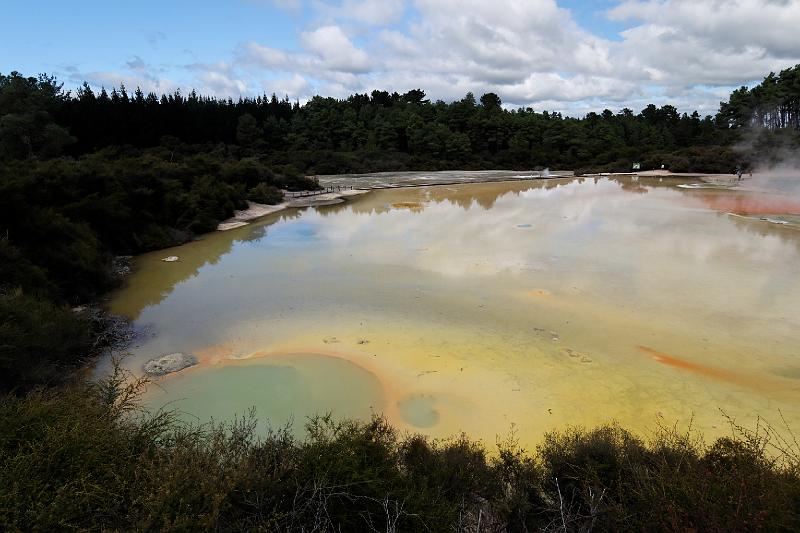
<point>103,35</point>
<point>566,55</point>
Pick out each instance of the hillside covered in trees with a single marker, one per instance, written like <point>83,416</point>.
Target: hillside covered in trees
<point>379,131</point>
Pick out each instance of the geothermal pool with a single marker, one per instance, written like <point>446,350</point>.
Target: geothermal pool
<point>485,306</point>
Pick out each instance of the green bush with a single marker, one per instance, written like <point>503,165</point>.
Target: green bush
<point>39,342</point>
<point>16,271</point>
<point>265,194</point>
<point>84,457</point>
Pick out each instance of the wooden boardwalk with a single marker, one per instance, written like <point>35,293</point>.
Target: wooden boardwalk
<point>324,190</point>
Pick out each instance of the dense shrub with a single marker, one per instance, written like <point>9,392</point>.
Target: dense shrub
<point>265,194</point>
<point>84,457</point>
<point>17,271</point>
<point>39,342</point>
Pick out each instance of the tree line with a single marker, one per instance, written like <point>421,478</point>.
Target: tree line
<point>364,132</point>
<point>774,104</point>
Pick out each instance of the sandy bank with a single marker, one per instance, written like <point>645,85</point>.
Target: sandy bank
<point>328,198</point>
<point>255,211</point>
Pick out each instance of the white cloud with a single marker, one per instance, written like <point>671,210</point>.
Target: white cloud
<point>531,52</point>
<point>294,87</point>
<point>554,87</point>
<point>219,79</point>
<point>328,52</point>
<point>111,79</point>
<point>335,50</point>
<point>268,58</point>
<point>218,83</point>
<point>736,25</point>
<point>708,42</point>
<point>373,12</point>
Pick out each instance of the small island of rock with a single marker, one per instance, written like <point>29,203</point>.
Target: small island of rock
<point>167,364</point>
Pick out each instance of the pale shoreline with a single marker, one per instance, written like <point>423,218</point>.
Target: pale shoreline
<point>709,178</point>
<point>255,211</point>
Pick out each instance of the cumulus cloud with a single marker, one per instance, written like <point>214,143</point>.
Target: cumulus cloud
<point>734,25</point>
<point>328,50</point>
<point>708,42</point>
<point>270,58</point>
<point>335,51</point>
<point>218,83</point>
<point>551,86</point>
<point>690,53</point>
<point>294,86</point>
<point>526,51</point>
<point>131,80</point>
<point>216,79</point>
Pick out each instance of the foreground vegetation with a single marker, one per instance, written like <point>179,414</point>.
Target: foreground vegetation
<point>82,457</point>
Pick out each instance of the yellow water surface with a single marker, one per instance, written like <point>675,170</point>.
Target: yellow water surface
<point>476,307</point>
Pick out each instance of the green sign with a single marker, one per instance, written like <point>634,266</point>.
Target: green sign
<point>637,166</point>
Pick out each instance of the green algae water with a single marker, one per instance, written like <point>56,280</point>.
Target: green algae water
<point>485,306</point>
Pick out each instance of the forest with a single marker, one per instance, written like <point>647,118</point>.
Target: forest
<point>88,178</point>
<point>363,133</point>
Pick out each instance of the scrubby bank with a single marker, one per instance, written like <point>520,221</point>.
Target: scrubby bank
<point>84,458</point>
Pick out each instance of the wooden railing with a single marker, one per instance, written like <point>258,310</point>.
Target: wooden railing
<point>324,190</point>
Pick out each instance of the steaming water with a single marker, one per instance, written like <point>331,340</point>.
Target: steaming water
<point>473,307</point>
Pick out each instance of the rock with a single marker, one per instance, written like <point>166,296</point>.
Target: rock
<point>316,200</point>
<point>170,259</point>
<point>122,265</point>
<point>225,226</point>
<point>253,211</point>
<point>775,220</point>
<point>167,364</point>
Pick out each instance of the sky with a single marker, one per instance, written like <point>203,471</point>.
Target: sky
<point>571,56</point>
